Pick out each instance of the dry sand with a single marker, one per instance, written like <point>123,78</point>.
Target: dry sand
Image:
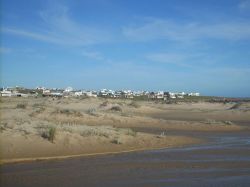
<point>97,126</point>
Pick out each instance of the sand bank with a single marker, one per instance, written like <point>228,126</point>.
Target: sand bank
<point>46,128</point>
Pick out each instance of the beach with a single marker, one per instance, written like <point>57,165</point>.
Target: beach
<point>92,126</point>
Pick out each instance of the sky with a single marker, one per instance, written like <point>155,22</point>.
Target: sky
<point>191,46</point>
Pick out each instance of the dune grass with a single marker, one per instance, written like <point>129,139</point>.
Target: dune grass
<point>49,133</point>
<point>116,108</point>
<point>21,105</point>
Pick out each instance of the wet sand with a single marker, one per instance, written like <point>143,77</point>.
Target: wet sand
<point>208,144</point>
<point>224,161</point>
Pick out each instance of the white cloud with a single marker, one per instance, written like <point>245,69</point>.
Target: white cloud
<point>171,58</point>
<point>164,29</point>
<point>59,28</point>
<point>33,35</point>
<point>58,20</point>
<point>92,55</point>
<point>180,59</point>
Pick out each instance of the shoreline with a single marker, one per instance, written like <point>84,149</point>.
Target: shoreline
<point>182,165</point>
<point>44,128</point>
<point>196,141</point>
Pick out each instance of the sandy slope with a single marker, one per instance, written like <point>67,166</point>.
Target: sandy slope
<point>91,126</point>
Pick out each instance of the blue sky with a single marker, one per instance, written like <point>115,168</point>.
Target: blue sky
<point>179,45</point>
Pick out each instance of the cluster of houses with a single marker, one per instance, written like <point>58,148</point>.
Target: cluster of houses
<point>70,92</point>
<point>15,91</point>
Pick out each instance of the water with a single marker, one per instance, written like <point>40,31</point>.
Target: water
<point>224,161</point>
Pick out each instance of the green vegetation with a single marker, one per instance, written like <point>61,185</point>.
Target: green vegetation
<point>38,105</point>
<point>115,141</point>
<point>21,105</point>
<point>93,132</point>
<point>195,99</point>
<point>228,122</point>
<point>68,112</point>
<point>211,121</point>
<point>49,134</point>
<point>116,108</point>
<point>134,104</point>
<point>141,98</point>
<point>130,132</point>
<point>37,111</point>
<point>104,104</point>
<point>92,112</point>
<point>235,106</point>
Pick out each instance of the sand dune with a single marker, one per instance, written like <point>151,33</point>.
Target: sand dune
<point>34,128</point>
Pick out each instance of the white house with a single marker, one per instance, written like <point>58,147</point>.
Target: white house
<point>46,92</point>
<point>181,93</point>
<point>194,94</point>
<point>90,93</point>
<point>68,89</point>
<point>159,95</point>
<point>80,93</point>
<point>172,95</point>
<point>180,96</point>
<point>56,94</point>
<point>40,88</point>
<point>6,93</point>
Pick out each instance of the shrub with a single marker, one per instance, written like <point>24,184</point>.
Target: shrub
<point>67,112</point>
<point>64,111</point>
<point>36,112</point>
<point>115,141</point>
<point>171,102</point>
<point>130,132</point>
<point>116,108</point>
<point>235,106</point>
<point>82,97</point>
<point>21,105</point>
<point>3,126</point>
<point>134,104</point>
<point>49,134</point>
<point>104,104</point>
<point>228,122</point>
<point>163,134</point>
<point>210,121</point>
<point>38,105</point>
<point>93,132</point>
<point>120,103</point>
<point>125,114</point>
<point>91,111</point>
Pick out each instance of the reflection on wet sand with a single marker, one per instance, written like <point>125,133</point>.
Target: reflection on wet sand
<point>223,161</point>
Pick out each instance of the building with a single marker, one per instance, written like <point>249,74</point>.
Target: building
<point>78,93</point>
<point>194,94</point>
<point>159,95</point>
<point>68,89</point>
<point>6,93</point>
